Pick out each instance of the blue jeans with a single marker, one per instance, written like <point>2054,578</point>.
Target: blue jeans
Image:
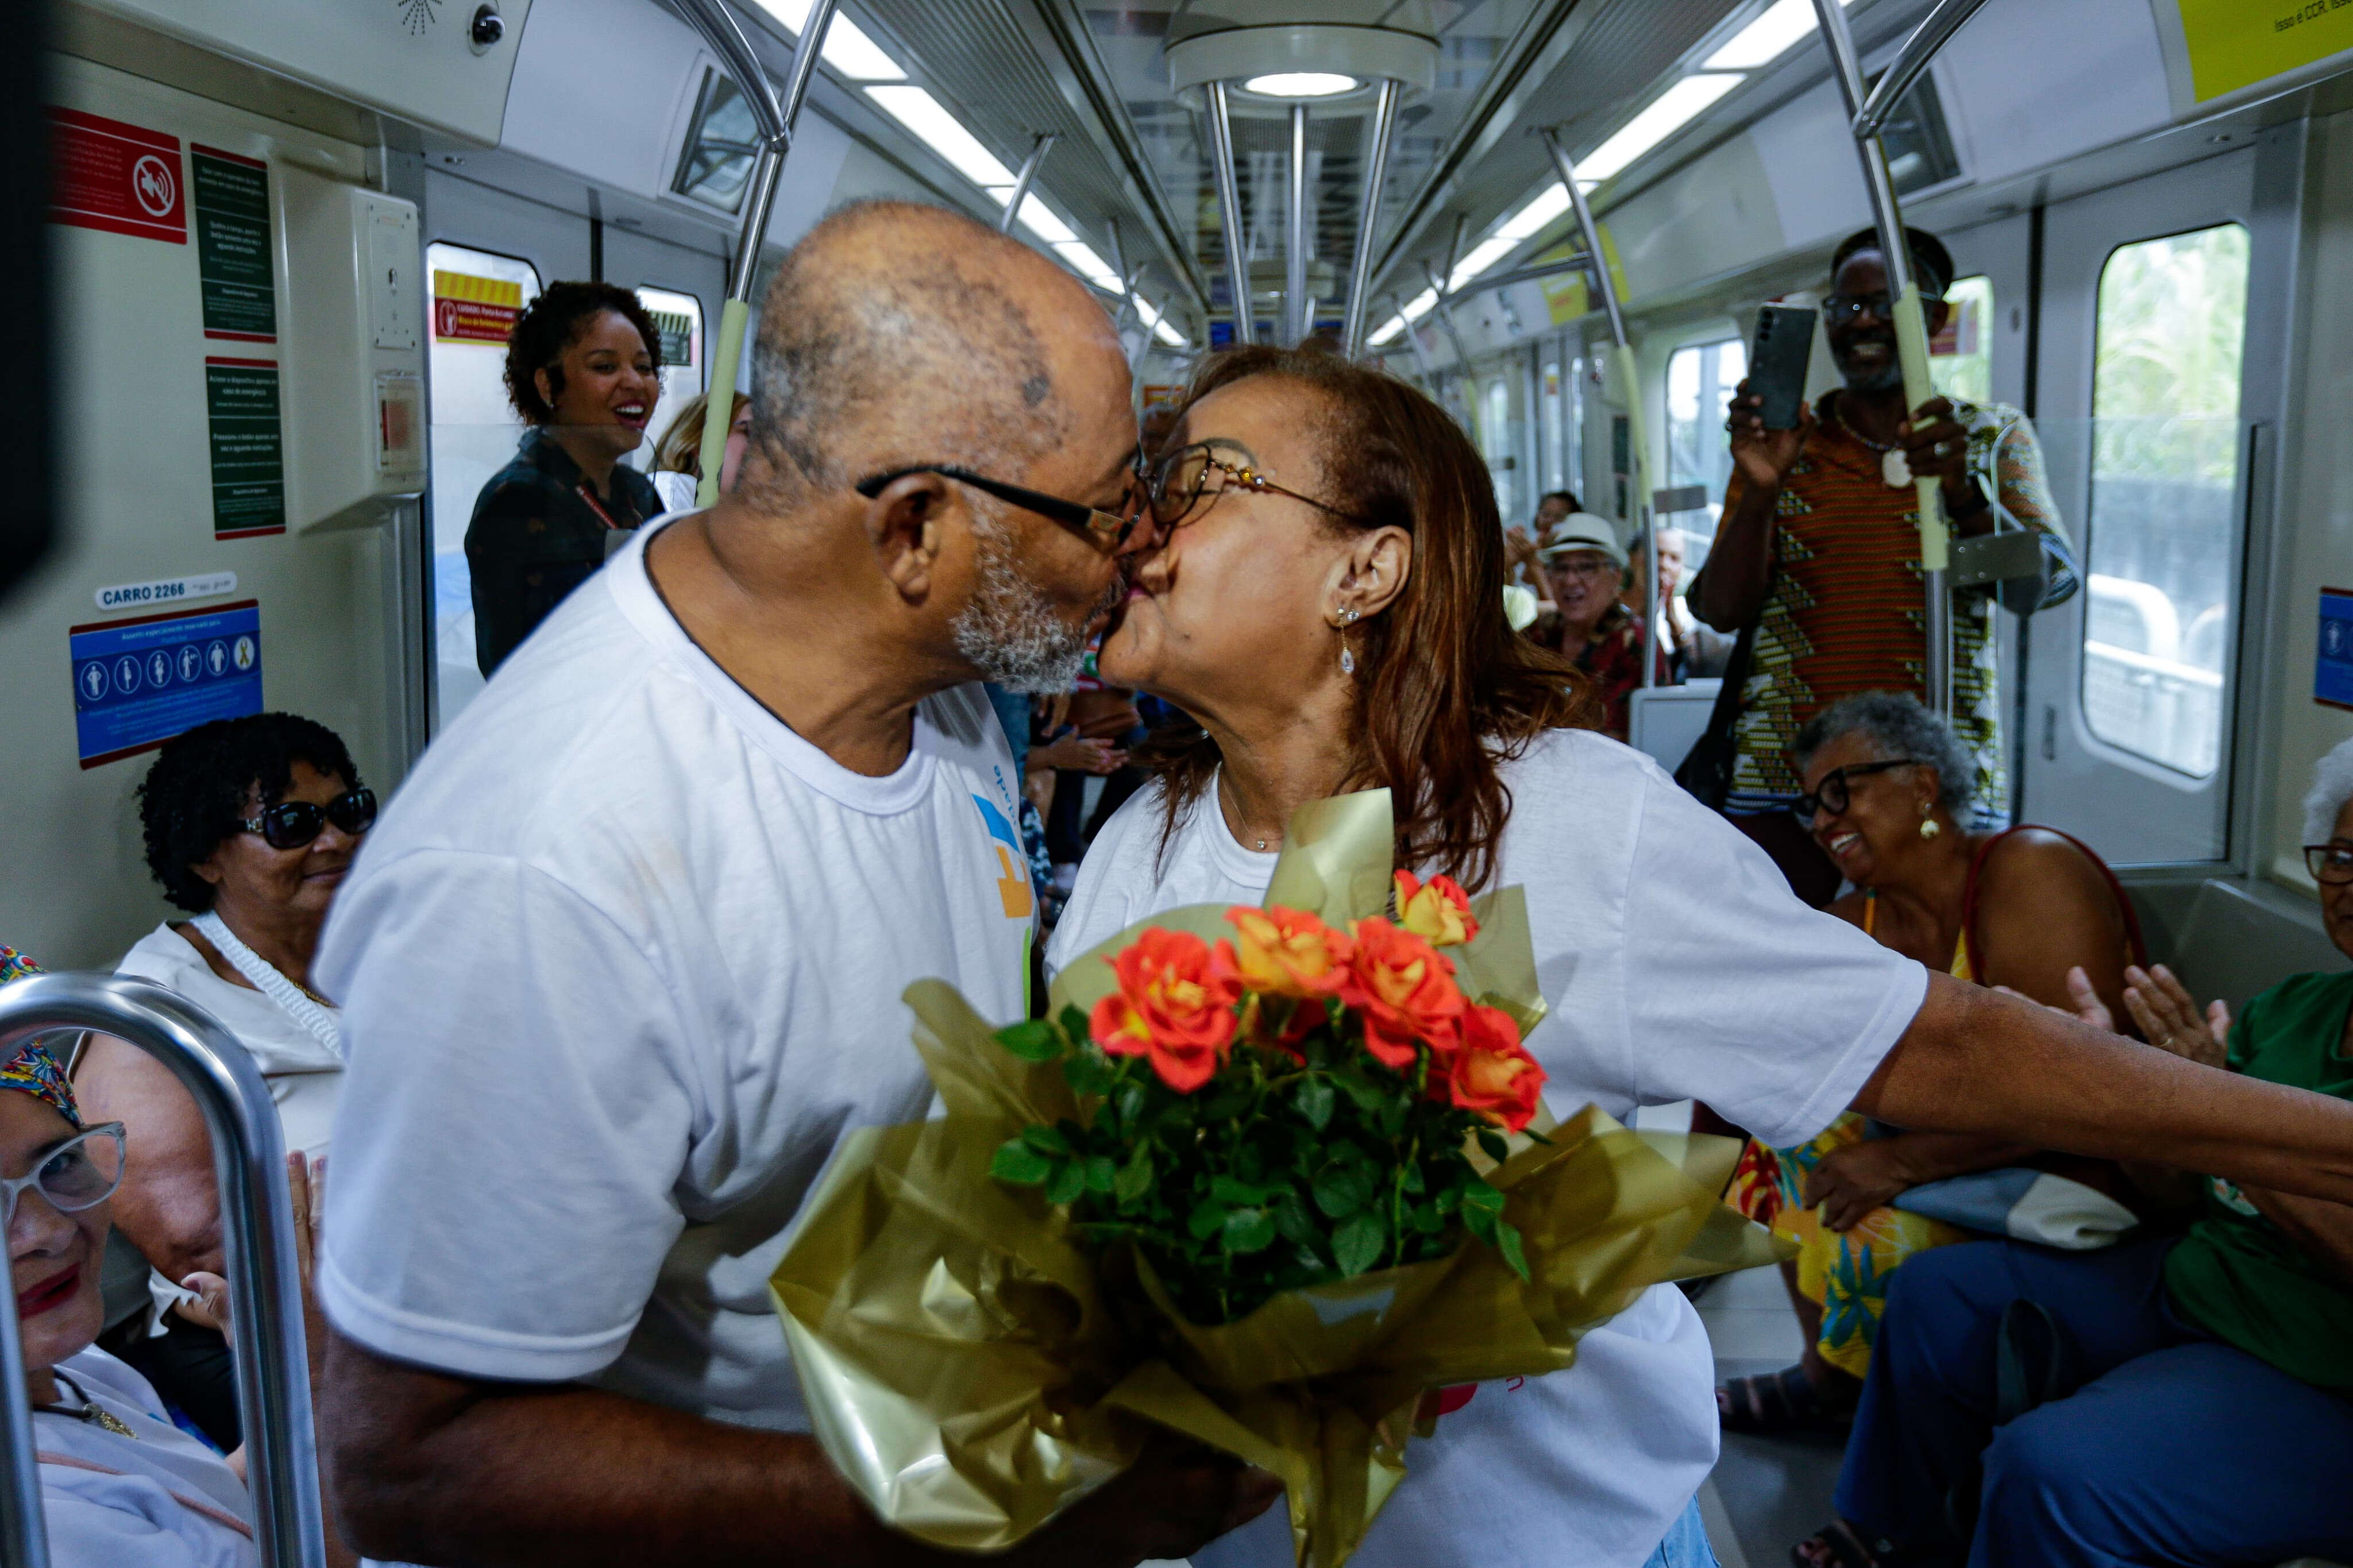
<point>2172,1448</point>
<point>1687,1543</point>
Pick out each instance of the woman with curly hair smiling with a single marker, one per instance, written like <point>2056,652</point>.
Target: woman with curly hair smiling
<point>250,824</point>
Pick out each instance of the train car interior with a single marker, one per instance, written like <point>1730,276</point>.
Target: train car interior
<point>288,240</point>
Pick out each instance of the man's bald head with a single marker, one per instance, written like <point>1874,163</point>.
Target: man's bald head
<point>896,333</point>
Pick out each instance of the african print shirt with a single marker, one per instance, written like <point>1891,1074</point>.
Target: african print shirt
<point>1846,610</point>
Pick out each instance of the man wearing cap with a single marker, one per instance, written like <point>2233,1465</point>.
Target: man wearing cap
<point>1819,551</point>
<point>1585,566</point>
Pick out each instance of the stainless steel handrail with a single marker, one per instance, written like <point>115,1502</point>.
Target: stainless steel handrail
<point>1910,60</point>
<point>1375,161</point>
<point>273,1382</point>
<point>1229,210</point>
<point>1027,178</point>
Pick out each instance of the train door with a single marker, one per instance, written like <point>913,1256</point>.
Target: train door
<point>2151,418</point>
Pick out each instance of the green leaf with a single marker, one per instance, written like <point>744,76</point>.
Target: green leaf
<point>1047,1141</point>
<point>1034,1040</point>
<point>1315,1100</point>
<point>1411,1178</point>
<point>1356,1244</point>
<point>1494,1144</point>
<point>1074,1023</point>
<point>1507,1242</point>
<point>1087,1072</point>
<point>1480,1196</point>
<point>1135,1178</point>
<point>1131,1100</point>
<point>1017,1163</point>
<point>1209,1218</point>
<point>1425,1218</point>
<point>1369,1097</point>
<point>1481,1223</point>
<point>1249,1230</point>
<point>1291,1219</point>
<point>1342,1190</point>
<point>1228,1105</point>
<point>1102,1172</point>
<point>1069,1180</point>
<point>1227,1190</point>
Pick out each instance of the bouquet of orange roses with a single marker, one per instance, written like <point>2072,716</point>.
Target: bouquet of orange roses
<point>1266,1177</point>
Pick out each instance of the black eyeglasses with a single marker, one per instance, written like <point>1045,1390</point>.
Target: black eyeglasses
<point>1176,487</point>
<point>1839,308</point>
<point>2331,863</point>
<point>1833,793</point>
<point>291,824</point>
<point>1089,522</point>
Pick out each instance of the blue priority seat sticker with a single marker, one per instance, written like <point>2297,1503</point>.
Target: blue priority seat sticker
<point>2332,673</point>
<point>139,682</point>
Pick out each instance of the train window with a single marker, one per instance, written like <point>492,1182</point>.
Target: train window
<point>1919,148</point>
<point>718,145</point>
<point>678,319</point>
<point>1960,358</point>
<point>2165,471</point>
<point>1496,431</point>
<point>1563,414</point>
<point>1701,380</point>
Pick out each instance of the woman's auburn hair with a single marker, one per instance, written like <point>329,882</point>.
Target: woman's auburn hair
<point>1445,690</point>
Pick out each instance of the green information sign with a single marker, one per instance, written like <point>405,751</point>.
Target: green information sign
<point>248,452</point>
<point>232,204</point>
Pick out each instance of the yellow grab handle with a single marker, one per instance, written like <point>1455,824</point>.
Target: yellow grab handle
<point>727,355</point>
<point>1912,354</point>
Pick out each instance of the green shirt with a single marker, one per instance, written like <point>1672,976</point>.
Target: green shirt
<point>2236,1275</point>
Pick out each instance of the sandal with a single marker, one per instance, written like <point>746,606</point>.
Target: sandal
<point>1784,1401</point>
<point>1841,1547</point>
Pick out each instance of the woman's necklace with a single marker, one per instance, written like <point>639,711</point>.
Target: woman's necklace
<point>299,1002</point>
<point>1892,466</point>
<point>105,1420</point>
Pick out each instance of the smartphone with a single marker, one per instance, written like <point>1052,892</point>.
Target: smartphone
<point>1777,369</point>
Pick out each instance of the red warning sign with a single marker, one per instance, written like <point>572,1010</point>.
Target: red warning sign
<point>115,176</point>
<point>472,310</point>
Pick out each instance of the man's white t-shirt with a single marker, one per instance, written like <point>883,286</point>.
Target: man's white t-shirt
<point>620,967</point>
<point>1678,966</point>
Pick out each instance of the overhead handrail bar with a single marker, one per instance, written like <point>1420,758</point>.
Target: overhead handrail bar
<point>1229,211</point>
<point>1913,58</point>
<point>1578,263</point>
<point>1420,354</point>
<point>1027,177</point>
<point>1294,240</point>
<point>775,120</point>
<point>1360,267</point>
<point>1911,332</point>
<point>1629,377</point>
<point>273,1380</point>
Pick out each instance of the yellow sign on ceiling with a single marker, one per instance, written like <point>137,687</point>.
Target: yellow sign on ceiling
<point>2238,43</point>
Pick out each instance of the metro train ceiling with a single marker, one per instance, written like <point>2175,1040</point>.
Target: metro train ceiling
<point>1133,149</point>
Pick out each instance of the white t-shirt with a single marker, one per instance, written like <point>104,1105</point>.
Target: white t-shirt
<point>1678,966</point>
<point>156,1500</point>
<point>620,967</point>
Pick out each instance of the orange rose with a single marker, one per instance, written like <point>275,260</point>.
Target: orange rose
<point>1437,910</point>
<point>1172,1004</point>
<point>1493,1074</point>
<point>1283,952</point>
<point>1404,990</point>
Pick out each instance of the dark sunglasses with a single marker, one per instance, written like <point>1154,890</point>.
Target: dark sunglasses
<point>291,824</point>
<point>2331,863</point>
<point>1089,522</point>
<point>1175,487</point>
<point>1841,308</point>
<point>1833,793</point>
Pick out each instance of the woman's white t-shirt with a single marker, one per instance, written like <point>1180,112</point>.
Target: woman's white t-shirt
<point>1678,966</point>
<point>157,1499</point>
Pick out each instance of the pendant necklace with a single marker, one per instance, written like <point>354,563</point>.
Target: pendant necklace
<point>1892,466</point>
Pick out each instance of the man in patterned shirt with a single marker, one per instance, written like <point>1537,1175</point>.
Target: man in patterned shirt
<point>1819,551</point>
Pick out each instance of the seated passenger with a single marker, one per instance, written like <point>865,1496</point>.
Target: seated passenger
<point>1692,650</point>
<point>583,368</point>
<point>1888,787</point>
<point>1587,624</point>
<point>678,458</point>
<point>251,823</point>
<point>2188,1399</point>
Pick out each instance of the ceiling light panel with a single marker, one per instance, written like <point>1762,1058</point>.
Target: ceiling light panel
<point>1083,260</point>
<point>1666,114</point>
<point>1548,205</point>
<point>1483,255</point>
<point>1300,84</point>
<point>930,122</point>
<point>1768,38</point>
<point>1038,219</point>
<point>847,47</point>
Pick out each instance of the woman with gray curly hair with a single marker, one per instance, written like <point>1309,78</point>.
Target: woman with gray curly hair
<point>1888,788</point>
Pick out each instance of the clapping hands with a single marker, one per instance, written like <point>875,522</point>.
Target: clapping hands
<point>2163,1008</point>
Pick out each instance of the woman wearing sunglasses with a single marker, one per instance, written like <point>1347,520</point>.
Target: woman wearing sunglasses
<point>250,824</point>
<point>1888,798</point>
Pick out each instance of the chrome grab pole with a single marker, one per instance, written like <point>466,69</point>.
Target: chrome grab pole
<point>1622,359</point>
<point>1229,211</point>
<point>273,1379</point>
<point>1446,322</point>
<point>1027,177</point>
<point>1420,354</point>
<point>1376,165</point>
<point>1295,241</point>
<point>1910,60</point>
<point>1911,338</point>
<point>775,121</point>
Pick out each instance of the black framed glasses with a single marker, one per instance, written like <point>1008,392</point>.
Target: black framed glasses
<point>1176,487</point>
<point>1834,794</point>
<point>1839,308</point>
<point>2331,863</point>
<point>1089,522</point>
<point>291,824</point>
<point>79,1174</point>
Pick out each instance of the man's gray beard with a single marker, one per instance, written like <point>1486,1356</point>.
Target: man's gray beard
<point>1010,631</point>
<point>1888,377</point>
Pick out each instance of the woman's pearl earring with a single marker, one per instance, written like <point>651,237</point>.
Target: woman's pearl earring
<point>1928,828</point>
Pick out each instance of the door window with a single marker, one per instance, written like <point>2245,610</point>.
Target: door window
<point>1960,358</point>
<point>678,319</point>
<point>1700,381</point>
<point>2162,534</point>
<point>477,295</point>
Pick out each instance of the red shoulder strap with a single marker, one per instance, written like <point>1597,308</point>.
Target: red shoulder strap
<point>2135,946</point>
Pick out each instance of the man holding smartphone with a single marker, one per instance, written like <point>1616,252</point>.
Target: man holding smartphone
<point>1819,550</point>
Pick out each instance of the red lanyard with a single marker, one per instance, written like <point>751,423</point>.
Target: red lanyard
<point>602,515</point>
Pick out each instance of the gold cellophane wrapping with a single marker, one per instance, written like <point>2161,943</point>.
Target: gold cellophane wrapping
<point>973,1369</point>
